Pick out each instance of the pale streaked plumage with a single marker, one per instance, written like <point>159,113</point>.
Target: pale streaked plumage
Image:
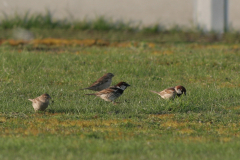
<point>102,83</point>
<point>171,92</point>
<point>40,103</point>
<point>112,93</point>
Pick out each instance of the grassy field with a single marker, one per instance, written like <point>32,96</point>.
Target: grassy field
<point>203,125</point>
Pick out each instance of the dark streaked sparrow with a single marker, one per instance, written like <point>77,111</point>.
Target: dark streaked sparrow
<point>171,92</point>
<point>112,93</point>
<point>102,83</point>
<point>40,103</point>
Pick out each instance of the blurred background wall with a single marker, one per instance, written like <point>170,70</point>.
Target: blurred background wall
<point>167,13</point>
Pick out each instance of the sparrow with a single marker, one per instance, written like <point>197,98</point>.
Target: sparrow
<point>112,93</point>
<point>40,103</point>
<point>171,92</point>
<point>102,83</point>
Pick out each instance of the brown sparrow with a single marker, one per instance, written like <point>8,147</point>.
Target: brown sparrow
<point>112,93</point>
<point>171,92</point>
<point>40,103</point>
<point>102,83</point>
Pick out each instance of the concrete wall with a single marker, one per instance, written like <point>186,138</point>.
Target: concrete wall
<point>165,12</point>
<point>234,14</point>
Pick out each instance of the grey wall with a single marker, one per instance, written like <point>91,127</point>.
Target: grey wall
<point>165,12</point>
<point>234,14</point>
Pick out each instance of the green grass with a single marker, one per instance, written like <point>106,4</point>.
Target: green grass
<point>202,125</point>
<point>74,147</point>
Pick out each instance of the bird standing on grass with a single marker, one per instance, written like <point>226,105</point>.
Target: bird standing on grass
<point>112,93</point>
<point>40,103</point>
<point>102,83</point>
<point>170,93</point>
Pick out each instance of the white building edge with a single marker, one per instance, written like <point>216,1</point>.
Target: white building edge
<point>216,15</point>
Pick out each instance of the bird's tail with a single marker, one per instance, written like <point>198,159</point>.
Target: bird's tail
<point>154,91</point>
<point>30,99</point>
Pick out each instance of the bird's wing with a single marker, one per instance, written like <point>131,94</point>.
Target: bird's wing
<point>166,93</point>
<point>169,90</point>
<point>108,90</point>
<point>100,81</point>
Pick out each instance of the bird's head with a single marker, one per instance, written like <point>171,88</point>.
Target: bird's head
<point>122,85</point>
<point>180,90</point>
